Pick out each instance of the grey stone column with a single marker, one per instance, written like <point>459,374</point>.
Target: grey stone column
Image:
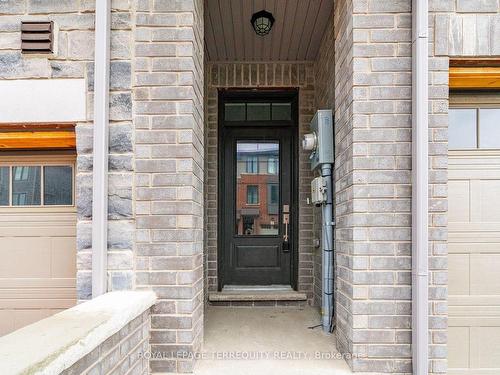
<point>76,45</point>
<point>169,149</point>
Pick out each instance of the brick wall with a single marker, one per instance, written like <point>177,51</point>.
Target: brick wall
<point>126,352</point>
<point>325,99</point>
<point>169,152</point>
<point>344,230</point>
<point>380,259</point>
<point>373,186</point>
<point>247,75</point>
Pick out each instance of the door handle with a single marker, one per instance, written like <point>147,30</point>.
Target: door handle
<point>286,223</point>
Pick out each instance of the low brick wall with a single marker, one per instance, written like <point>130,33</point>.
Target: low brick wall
<point>122,353</point>
<point>107,335</point>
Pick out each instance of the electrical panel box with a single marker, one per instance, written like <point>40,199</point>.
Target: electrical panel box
<point>320,140</point>
<point>318,191</point>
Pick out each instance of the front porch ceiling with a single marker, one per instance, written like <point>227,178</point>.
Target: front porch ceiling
<point>295,36</point>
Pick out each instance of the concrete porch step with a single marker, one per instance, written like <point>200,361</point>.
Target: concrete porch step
<point>256,293</point>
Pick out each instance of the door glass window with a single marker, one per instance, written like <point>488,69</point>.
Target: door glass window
<point>26,186</point>
<point>234,111</point>
<point>282,111</point>
<point>57,185</point>
<point>258,111</point>
<point>257,215</point>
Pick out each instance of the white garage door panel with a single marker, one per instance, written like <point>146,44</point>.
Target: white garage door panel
<point>458,279</point>
<point>474,263</point>
<point>25,257</point>
<point>458,202</point>
<point>38,268</point>
<point>485,274</point>
<point>458,347</point>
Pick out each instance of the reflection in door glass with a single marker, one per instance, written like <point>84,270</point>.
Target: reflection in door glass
<point>257,188</point>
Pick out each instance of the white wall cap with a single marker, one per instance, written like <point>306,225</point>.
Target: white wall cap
<point>52,345</point>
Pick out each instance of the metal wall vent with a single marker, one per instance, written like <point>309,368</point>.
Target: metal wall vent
<point>37,37</point>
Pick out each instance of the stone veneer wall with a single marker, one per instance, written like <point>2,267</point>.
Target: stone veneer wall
<point>169,153</point>
<point>74,59</point>
<point>126,352</point>
<point>373,111</point>
<point>121,224</point>
<point>465,28</point>
<point>255,75</point>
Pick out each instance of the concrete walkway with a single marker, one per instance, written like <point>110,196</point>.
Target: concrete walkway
<point>265,341</point>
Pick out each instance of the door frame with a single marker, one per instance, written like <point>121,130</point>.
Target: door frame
<point>259,95</point>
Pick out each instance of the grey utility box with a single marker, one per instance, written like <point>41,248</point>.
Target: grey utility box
<point>320,140</point>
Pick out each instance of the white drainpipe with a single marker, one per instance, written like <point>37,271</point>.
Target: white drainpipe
<point>100,157</point>
<point>420,183</point>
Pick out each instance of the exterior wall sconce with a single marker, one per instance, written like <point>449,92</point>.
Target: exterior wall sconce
<point>262,22</point>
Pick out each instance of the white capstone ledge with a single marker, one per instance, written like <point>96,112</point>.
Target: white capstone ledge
<point>52,345</point>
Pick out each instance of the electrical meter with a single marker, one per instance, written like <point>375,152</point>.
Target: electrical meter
<point>320,140</point>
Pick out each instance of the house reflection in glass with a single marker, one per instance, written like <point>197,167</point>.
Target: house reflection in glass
<point>257,188</point>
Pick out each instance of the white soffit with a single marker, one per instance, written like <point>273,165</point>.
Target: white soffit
<point>295,36</point>
<point>48,100</point>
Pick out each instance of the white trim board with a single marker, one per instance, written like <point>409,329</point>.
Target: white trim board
<point>48,100</point>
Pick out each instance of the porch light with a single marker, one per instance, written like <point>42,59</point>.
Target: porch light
<point>262,22</point>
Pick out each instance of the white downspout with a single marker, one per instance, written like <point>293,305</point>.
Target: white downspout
<point>100,157</point>
<point>420,183</point>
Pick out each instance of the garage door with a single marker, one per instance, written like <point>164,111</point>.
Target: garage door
<point>474,236</point>
<point>37,238</point>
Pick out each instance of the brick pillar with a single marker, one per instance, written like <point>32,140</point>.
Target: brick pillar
<point>373,112</point>
<point>343,174</point>
<point>168,118</point>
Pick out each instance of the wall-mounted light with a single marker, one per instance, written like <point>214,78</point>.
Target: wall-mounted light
<point>262,22</point>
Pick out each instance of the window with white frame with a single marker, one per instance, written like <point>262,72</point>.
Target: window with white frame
<point>474,127</point>
<point>36,185</point>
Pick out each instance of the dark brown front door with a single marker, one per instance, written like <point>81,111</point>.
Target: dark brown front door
<point>257,204</point>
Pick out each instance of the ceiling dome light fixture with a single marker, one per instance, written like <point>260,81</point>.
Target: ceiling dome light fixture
<point>262,22</point>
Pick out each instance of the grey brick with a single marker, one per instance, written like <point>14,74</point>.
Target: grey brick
<point>52,6</point>
<point>477,6</point>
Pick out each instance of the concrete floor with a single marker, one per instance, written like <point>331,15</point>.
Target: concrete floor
<point>277,341</point>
